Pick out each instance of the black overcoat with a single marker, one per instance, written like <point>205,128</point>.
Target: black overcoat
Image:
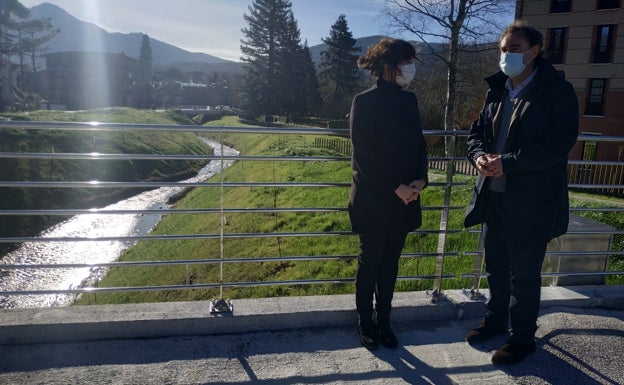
<point>388,150</point>
<point>543,130</point>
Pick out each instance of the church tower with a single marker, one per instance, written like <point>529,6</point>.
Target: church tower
<point>145,59</point>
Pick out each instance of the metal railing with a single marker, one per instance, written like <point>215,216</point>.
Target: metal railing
<point>446,182</point>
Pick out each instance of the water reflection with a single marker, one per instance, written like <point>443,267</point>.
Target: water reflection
<point>84,226</point>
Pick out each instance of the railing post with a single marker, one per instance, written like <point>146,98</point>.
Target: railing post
<point>436,293</point>
<point>474,293</point>
<point>221,306</point>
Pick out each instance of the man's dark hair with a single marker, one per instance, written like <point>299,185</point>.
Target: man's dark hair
<point>523,29</point>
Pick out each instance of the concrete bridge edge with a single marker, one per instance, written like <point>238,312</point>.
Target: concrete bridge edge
<point>157,320</point>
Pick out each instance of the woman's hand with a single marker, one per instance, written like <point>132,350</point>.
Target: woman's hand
<point>418,184</point>
<point>407,193</point>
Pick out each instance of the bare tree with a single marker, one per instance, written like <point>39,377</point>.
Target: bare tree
<point>459,24</point>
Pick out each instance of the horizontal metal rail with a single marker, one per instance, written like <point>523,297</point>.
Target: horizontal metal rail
<point>440,255</point>
<point>99,126</point>
<point>587,232</point>
<point>194,236</point>
<point>556,274</point>
<point>88,290</point>
<point>151,185</point>
<point>211,261</point>
<point>102,156</point>
<point>596,186</point>
<point>65,212</point>
<point>566,253</point>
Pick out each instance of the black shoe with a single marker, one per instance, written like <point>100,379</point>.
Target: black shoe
<point>368,335</point>
<point>387,337</point>
<point>382,323</point>
<point>513,352</point>
<point>369,342</point>
<point>483,333</point>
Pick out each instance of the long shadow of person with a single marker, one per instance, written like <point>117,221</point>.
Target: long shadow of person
<point>575,356</point>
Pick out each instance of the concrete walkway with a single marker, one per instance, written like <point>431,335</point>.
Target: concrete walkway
<point>307,340</point>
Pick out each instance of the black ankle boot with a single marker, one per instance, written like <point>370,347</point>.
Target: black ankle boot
<point>368,334</point>
<point>386,337</point>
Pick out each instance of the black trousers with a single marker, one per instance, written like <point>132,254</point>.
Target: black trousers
<point>514,263</point>
<point>378,266</point>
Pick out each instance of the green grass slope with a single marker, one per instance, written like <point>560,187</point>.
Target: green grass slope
<point>458,241</point>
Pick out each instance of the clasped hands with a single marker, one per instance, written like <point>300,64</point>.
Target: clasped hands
<point>490,165</point>
<point>409,193</point>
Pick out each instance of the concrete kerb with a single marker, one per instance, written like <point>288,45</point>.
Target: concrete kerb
<point>157,320</point>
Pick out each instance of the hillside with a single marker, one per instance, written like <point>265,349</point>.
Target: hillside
<point>74,33</point>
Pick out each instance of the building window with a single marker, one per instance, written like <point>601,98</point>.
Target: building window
<point>590,148</point>
<point>558,6</point>
<point>595,97</point>
<point>556,44</point>
<point>603,45</point>
<point>608,4</point>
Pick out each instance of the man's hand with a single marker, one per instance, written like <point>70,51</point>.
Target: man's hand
<point>490,165</point>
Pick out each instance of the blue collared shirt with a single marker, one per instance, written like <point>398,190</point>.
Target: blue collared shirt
<point>514,93</point>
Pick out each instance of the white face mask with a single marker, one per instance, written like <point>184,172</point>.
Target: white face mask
<point>512,63</point>
<point>408,72</point>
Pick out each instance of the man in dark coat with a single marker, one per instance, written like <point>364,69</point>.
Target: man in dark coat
<point>520,146</point>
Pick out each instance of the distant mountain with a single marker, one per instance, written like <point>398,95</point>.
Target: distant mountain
<point>77,35</point>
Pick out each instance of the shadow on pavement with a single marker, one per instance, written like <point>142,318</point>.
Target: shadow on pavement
<point>574,347</point>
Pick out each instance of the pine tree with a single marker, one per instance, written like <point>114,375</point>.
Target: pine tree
<point>310,89</point>
<point>299,90</point>
<point>289,69</point>
<point>33,34</point>
<point>263,51</point>
<point>9,45</point>
<point>338,69</point>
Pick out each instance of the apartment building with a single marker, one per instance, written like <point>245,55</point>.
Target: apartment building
<point>84,80</point>
<point>585,39</point>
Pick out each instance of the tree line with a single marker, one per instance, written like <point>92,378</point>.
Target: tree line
<point>281,79</point>
<point>24,38</point>
<point>280,75</point>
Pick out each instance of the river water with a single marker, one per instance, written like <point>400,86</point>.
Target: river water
<point>87,252</point>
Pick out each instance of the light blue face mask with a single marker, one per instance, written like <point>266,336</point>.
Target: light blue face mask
<point>408,72</point>
<point>512,63</point>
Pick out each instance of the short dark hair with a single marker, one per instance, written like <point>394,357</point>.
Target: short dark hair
<point>388,51</point>
<point>524,30</point>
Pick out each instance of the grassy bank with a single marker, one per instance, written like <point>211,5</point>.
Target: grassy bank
<point>66,141</point>
<point>260,197</point>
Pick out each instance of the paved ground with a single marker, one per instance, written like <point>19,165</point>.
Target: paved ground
<point>576,345</point>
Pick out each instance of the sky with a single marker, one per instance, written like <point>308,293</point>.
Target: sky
<point>214,26</point>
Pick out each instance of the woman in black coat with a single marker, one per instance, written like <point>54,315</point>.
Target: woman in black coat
<point>389,171</point>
